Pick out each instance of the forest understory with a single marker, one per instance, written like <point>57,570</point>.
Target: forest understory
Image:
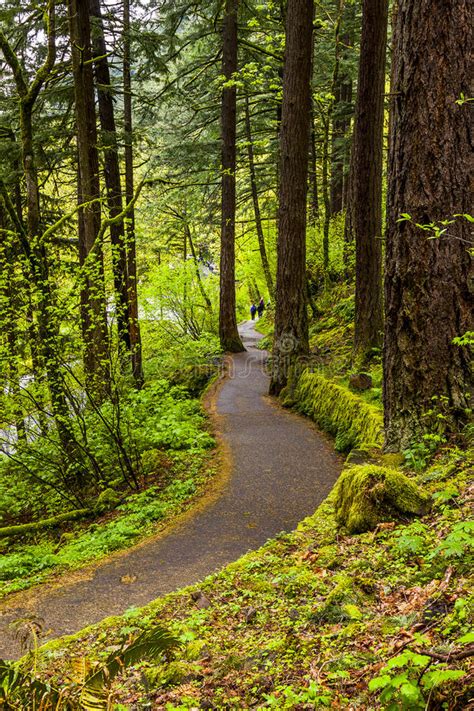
<point>168,171</point>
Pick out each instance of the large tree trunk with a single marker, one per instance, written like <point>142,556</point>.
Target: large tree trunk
<point>291,325</point>
<point>428,295</point>
<point>256,205</point>
<point>228,333</point>
<point>366,181</point>
<point>133,323</point>
<point>112,175</point>
<point>93,311</point>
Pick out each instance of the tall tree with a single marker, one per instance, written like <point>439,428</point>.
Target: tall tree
<point>291,325</point>
<point>33,244</point>
<point>256,204</point>
<point>428,299</point>
<point>228,333</point>
<point>366,180</point>
<point>93,306</point>
<point>112,174</point>
<point>133,322</point>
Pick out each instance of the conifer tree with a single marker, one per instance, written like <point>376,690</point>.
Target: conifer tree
<point>291,324</point>
<point>428,296</point>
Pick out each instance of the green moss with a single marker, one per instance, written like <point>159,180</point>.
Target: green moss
<point>107,501</point>
<point>53,522</point>
<point>354,423</point>
<point>368,494</point>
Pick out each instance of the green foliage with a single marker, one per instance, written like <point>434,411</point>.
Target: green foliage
<point>20,688</point>
<point>405,683</point>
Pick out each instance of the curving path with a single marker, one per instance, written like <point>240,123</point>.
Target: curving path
<point>281,469</point>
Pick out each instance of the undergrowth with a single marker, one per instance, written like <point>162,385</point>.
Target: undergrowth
<point>315,619</point>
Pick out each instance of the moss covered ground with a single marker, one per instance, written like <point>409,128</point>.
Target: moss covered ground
<point>317,618</point>
<point>321,617</point>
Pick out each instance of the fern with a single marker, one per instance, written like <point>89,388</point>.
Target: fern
<point>149,645</point>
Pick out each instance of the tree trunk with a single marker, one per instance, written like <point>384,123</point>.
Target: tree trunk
<point>367,180</point>
<point>133,324</point>
<point>327,141</point>
<point>313,176</point>
<point>196,267</point>
<point>291,324</point>
<point>112,175</point>
<point>93,311</point>
<point>256,206</point>
<point>427,289</point>
<point>228,333</point>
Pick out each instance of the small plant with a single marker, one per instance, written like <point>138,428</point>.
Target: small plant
<point>405,682</point>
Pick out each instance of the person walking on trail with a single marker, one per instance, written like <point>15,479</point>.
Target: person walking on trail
<point>253,311</point>
<point>260,307</point>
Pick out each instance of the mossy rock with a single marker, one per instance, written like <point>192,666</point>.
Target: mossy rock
<point>107,501</point>
<point>367,495</point>
<point>354,422</point>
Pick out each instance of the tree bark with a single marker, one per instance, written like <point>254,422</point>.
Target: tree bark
<point>256,205</point>
<point>291,324</point>
<point>367,180</point>
<point>428,292</point>
<point>112,175</point>
<point>93,311</point>
<point>133,323</point>
<point>228,333</point>
<point>326,186</point>
<point>313,176</point>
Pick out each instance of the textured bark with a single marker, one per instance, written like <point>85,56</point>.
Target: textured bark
<point>132,291</point>
<point>93,311</point>
<point>291,326</point>
<point>256,205</point>
<point>367,180</point>
<point>428,290</point>
<point>228,333</point>
<point>112,174</point>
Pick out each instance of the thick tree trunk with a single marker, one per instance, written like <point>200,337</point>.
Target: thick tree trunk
<point>366,181</point>
<point>427,289</point>
<point>291,325</point>
<point>256,205</point>
<point>132,287</point>
<point>228,333</point>
<point>112,174</point>
<point>93,311</point>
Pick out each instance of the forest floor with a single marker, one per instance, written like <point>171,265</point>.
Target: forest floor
<point>277,469</point>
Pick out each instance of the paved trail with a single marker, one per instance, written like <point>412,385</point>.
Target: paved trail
<point>282,468</point>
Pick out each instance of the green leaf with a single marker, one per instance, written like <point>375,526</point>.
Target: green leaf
<point>440,676</point>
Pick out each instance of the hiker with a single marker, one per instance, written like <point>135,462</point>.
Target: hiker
<point>260,307</point>
<point>253,311</point>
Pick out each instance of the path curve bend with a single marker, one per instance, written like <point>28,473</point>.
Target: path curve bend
<point>281,469</point>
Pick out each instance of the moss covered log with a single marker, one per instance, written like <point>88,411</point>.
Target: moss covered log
<point>367,495</point>
<point>28,528</point>
<point>353,422</point>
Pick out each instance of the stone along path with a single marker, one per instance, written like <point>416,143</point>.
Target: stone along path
<point>281,468</point>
